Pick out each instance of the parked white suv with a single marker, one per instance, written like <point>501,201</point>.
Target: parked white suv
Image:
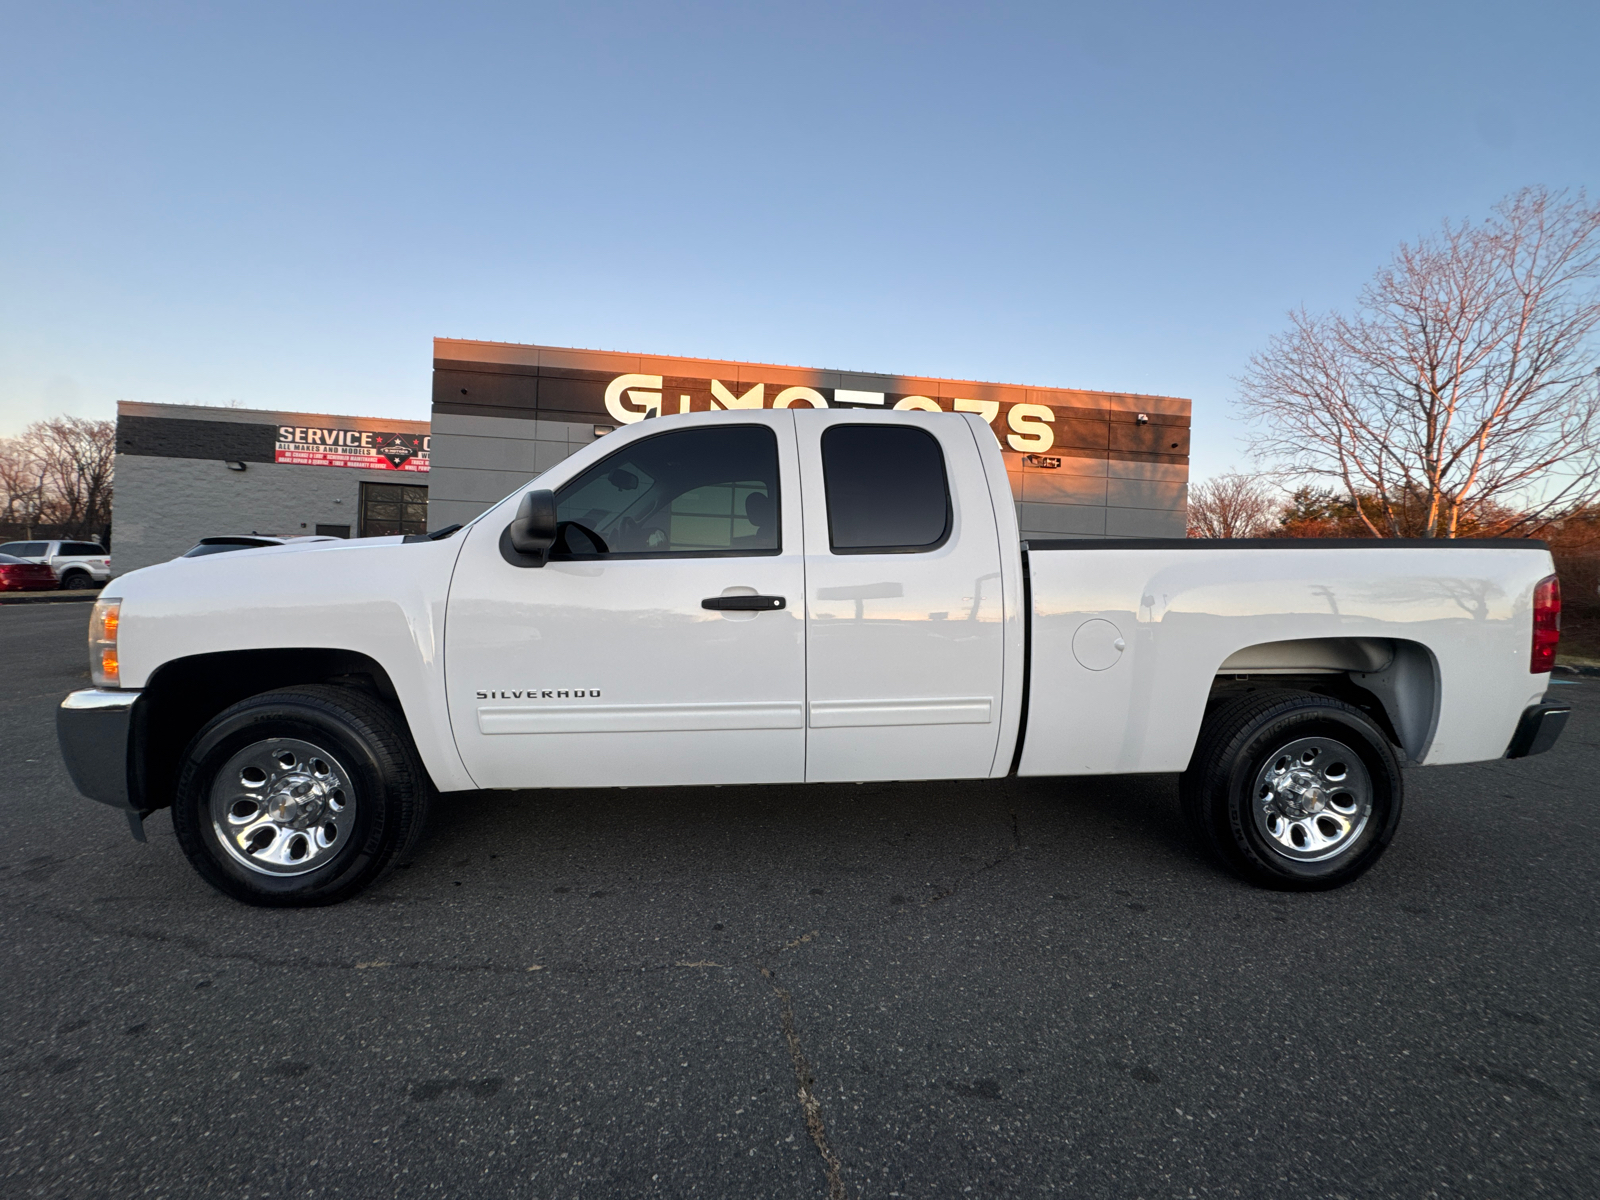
<point>76,564</point>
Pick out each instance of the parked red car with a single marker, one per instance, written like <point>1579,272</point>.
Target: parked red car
<point>19,575</point>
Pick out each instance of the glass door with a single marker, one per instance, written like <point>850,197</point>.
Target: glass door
<point>391,508</point>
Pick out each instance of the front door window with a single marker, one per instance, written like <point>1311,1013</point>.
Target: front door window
<point>695,493</point>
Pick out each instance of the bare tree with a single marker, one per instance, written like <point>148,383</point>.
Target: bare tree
<point>23,478</point>
<point>58,473</point>
<point>1232,506</point>
<point>78,456</point>
<point>1464,392</point>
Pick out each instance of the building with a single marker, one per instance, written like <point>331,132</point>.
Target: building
<point>1081,464</point>
<point>185,472</point>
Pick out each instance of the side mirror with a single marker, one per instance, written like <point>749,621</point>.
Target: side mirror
<point>527,540</point>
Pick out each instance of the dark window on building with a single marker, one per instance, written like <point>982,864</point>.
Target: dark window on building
<point>334,531</point>
<point>390,508</point>
<point>886,489</point>
<point>81,548</point>
<point>710,491</point>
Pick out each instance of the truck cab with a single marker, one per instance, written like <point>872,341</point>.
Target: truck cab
<point>792,597</point>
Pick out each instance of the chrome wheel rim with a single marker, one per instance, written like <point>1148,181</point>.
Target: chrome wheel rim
<point>283,806</point>
<point>1312,799</point>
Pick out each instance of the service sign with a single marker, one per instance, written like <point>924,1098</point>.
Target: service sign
<point>366,449</point>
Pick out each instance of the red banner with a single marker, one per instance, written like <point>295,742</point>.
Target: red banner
<point>364,449</point>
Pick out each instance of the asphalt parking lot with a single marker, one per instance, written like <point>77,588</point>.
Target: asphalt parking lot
<point>1019,988</point>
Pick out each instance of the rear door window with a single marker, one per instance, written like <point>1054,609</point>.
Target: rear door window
<point>695,492</point>
<point>886,487</point>
<point>25,549</point>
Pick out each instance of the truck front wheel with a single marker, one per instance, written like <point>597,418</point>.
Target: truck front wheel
<point>1292,790</point>
<point>300,796</point>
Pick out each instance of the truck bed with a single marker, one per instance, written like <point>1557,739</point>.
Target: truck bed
<point>1435,631</point>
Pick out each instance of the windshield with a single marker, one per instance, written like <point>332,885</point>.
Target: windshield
<point>219,546</point>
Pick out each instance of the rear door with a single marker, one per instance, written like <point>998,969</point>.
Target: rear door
<point>628,659</point>
<point>905,614</point>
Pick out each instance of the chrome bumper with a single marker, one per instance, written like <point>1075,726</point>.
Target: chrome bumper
<point>93,729</point>
<point>1538,730</point>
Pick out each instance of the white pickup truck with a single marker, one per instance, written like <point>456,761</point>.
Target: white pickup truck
<point>796,596</point>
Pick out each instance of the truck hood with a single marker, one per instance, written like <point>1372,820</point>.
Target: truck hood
<point>221,570</point>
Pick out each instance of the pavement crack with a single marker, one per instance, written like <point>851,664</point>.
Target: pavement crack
<point>43,862</point>
<point>805,1083</point>
<point>999,861</point>
<point>202,949</point>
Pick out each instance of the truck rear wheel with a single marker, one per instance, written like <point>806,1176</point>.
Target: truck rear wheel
<point>1292,790</point>
<point>300,796</point>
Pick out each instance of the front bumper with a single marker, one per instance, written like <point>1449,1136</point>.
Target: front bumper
<point>94,727</point>
<point>1538,730</point>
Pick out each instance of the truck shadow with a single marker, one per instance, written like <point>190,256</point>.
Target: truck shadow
<point>939,828</point>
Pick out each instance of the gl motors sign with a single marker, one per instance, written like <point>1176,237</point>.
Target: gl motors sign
<point>1023,427</point>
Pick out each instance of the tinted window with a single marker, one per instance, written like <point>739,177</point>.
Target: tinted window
<point>698,491</point>
<point>7,561</point>
<point>886,489</point>
<point>25,549</point>
<point>81,548</point>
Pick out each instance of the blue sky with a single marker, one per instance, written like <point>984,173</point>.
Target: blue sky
<point>280,205</point>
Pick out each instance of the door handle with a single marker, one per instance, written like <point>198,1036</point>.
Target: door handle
<point>743,603</point>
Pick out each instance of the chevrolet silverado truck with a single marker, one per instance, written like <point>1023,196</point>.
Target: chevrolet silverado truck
<point>796,595</point>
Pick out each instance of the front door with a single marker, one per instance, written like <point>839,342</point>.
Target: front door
<point>626,659</point>
<point>905,617</point>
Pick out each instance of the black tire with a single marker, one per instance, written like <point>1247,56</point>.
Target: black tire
<point>363,740</point>
<point>1241,743</point>
<point>74,580</point>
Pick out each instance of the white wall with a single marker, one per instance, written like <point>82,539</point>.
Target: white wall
<point>163,506</point>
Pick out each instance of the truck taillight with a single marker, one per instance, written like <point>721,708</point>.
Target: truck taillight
<point>104,623</point>
<point>1546,624</point>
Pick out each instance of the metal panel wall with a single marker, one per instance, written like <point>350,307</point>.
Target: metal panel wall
<point>1081,464</point>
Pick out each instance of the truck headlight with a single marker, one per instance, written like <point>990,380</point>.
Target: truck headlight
<point>103,623</point>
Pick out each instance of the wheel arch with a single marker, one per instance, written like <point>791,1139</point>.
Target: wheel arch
<point>1393,680</point>
<point>183,694</point>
